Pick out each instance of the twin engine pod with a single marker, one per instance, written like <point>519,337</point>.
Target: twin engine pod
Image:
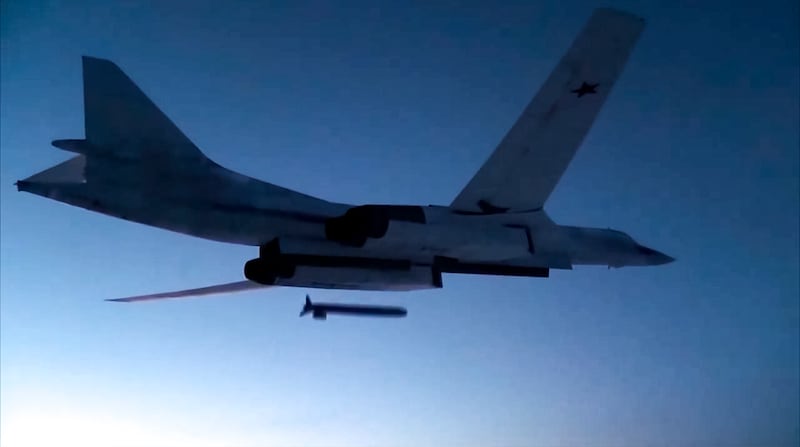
<point>268,270</point>
<point>339,272</point>
<point>369,221</point>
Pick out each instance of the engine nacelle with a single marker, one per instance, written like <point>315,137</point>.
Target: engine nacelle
<point>340,272</point>
<point>267,270</point>
<point>369,221</point>
<point>319,315</point>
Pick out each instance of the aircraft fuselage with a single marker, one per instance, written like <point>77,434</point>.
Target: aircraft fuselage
<point>218,204</point>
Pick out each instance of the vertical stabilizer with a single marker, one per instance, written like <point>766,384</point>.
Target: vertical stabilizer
<point>120,119</point>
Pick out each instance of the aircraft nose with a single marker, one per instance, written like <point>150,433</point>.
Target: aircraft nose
<point>661,259</point>
<point>655,257</point>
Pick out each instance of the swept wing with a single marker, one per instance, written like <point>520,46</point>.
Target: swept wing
<point>526,166</point>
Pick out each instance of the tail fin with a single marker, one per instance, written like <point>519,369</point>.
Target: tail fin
<point>121,119</point>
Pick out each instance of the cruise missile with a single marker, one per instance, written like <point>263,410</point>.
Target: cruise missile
<point>320,311</point>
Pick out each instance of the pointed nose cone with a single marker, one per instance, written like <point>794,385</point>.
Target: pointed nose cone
<point>661,259</point>
<point>655,257</point>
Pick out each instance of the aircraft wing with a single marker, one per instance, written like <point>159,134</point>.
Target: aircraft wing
<point>240,286</point>
<point>527,164</point>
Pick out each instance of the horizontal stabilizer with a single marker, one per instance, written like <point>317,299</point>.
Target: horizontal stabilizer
<point>70,171</point>
<point>240,286</point>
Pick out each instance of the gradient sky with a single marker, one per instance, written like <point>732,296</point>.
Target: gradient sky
<point>695,154</point>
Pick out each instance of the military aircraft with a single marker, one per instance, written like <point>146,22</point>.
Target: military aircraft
<point>135,164</point>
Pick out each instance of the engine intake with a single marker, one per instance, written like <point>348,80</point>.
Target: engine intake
<point>369,221</point>
<point>267,271</point>
<point>358,224</point>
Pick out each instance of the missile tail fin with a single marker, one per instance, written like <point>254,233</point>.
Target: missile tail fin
<point>308,307</point>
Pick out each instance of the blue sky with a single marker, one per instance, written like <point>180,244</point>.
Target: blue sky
<point>695,154</point>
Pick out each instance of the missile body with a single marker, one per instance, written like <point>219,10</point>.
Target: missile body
<point>320,311</point>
